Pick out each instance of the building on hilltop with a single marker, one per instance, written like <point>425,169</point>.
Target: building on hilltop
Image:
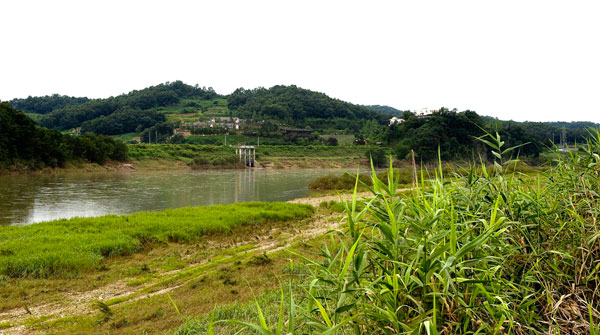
<point>395,120</point>
<point>424,112</point>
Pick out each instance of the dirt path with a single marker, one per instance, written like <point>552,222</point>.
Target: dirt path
<point>81,303</point>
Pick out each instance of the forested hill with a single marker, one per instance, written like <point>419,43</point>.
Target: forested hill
<point>132,103</point>
<point>300,107</point>
<point>385,110</point>
<point>45,104</point>
<point>548,132</point>
<point>24,145</point>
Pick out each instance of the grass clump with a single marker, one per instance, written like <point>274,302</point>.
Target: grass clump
<point>65,247</point>
<point>346,181</point>
<point>487,252</point>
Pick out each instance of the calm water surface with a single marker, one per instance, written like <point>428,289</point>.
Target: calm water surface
<point>27,199</point>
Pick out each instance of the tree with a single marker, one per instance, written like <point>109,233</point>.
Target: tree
<point>177,139</point>
<point>331,141</point>
<point>377,156</point>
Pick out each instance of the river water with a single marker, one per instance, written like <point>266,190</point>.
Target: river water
<point>26,199</point>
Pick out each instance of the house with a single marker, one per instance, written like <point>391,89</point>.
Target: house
<point>395,120</point>
<point>226,122</point>
<point>296,131</point>
<point>424,112</point>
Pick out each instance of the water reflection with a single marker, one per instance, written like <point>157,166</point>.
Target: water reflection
<point>33,198</point>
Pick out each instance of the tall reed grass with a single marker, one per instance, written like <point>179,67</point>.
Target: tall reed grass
<point>485,252</point>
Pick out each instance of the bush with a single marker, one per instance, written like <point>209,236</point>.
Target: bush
<point>401,151</point>
<point>177,139</point>
<point>331,141</point>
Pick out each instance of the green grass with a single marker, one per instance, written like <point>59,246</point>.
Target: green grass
<point>197,109</point>
<point>313,151</point>
<point>222,155</point>
<point>342,139</point>
<point>347,181</point>
<point>125,137</point>
<point>181,152</point>
<point>66,247</point>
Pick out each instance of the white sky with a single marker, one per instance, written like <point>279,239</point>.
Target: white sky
<point>522,60</point>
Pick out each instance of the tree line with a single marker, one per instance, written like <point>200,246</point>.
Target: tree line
<point>455,134</point>
<point>45,104</point>
<point>162,95</point>
<point>25,144</point>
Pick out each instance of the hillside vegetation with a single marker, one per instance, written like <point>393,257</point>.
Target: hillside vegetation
<point>24,145</point>
<point>45,104</point>
<point>388,110</point>
<point>300,107</point>
<point>177,113</point>
<point>149,98</point>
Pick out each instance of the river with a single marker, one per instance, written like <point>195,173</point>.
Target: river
<point>26,199</point>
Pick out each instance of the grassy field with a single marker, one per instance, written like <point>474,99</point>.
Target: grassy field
<point>209,156</point>
<point>126,137</point>
<point>66,247</point>
<point>342,139</point>
<point>197,271</point>
<point>189,110</point>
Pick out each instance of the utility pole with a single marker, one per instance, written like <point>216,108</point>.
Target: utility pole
<point>225,139</point>
<point>258,145</point>
<point>156,136</point>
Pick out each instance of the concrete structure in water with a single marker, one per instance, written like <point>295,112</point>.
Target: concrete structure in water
<point>247,154</point>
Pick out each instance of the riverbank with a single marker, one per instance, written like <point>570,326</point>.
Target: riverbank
<point>162,157</point>
<point>132,292</point>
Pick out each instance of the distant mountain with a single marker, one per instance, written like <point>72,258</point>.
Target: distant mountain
<point>385,110</point>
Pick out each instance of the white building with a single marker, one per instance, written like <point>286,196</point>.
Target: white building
<point>395,120</point>
<point>423,112</point>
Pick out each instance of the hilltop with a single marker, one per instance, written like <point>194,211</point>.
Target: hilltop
<point>178,103</point>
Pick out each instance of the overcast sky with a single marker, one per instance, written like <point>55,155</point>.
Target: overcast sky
<point>521,60</point>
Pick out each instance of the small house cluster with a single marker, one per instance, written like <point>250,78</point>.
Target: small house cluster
<point>229,123</point>
<point>421,113</point>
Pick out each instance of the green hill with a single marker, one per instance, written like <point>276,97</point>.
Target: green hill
<point>300,108</point>
<point>385,110</point>
<point>178,103</point>
<point>25,146</point>
<point>148,99</point>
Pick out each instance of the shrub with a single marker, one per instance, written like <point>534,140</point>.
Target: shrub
<point>377,156</point>
<point>331,141</point>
